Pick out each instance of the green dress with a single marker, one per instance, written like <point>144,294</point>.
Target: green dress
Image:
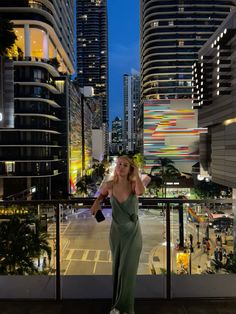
<point>126,246</point>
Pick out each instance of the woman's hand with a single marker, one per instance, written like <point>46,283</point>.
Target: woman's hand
<point>95,207</point>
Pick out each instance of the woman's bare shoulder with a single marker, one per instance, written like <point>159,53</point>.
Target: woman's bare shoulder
<point>109,184</point>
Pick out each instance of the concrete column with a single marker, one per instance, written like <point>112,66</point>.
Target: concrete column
<point>45,46</point>
<point>27,40</point>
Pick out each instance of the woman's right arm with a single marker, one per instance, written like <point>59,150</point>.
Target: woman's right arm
<point>103,193</point>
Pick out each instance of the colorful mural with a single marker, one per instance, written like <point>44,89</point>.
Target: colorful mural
<point>170,130</point>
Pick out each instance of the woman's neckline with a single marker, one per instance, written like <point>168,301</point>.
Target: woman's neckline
<point>122,201</point>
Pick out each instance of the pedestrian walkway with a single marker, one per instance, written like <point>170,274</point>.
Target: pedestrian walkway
<point>183,306</point>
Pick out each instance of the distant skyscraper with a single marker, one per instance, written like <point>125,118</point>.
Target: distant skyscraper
<point>172,32</point>
<point>131,87</point>
<point>92,51</point>
<point>34,133</point>
<point>117,136</point>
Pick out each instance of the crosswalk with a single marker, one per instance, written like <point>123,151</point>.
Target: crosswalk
<point>88,255</point>
<point>63,228</point>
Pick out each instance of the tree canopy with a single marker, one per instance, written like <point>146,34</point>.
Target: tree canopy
<point>20,245</point>
<point>7,35</point>
<point>163,171</point>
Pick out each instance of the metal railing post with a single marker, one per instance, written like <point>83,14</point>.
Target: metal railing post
<point>168,253</point>
<point>58,268</point>
<point>181,225</point>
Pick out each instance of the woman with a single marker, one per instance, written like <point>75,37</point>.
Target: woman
<point>125,232</point>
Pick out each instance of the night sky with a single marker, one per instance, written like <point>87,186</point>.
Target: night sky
<point>123,37</point>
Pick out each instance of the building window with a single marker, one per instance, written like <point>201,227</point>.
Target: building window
<point>181,43</point>
<point>155,24</point>
<point>10,167</point>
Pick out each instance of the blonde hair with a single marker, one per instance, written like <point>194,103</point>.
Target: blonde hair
<point>131,164</point>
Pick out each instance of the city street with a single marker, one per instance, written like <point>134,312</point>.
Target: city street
<point>85,243</point>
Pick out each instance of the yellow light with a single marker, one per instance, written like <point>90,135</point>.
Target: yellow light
<point>229,121</point>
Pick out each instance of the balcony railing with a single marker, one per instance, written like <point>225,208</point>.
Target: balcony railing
<point>175,262</point>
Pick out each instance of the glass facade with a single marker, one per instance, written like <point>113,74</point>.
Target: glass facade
<point>92,52</point>
<point>170,31</point>
<point>33,152</point>
<point>131,88</point>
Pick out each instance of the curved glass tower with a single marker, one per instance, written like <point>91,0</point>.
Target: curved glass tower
<point>33,133</point>
<point>172,32</point>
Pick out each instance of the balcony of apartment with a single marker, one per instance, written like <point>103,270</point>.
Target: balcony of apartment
<point>30,154</point>
<point>49,85</point>
<point>29,174</point>
<point>172,266</point>
<point>40,5</point>
<point>47,64</point>
<point>30,141</point>
<point>29,169</point>
<point>50,102</point>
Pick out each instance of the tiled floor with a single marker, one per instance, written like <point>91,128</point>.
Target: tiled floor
<point>102,307</point>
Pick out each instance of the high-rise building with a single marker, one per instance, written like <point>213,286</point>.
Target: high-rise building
<point>172,32</point>
<point>214,94</point>
<point>92,52</point>
<point>117,136</point>
<point>34,141</point>
<point>131,90</point>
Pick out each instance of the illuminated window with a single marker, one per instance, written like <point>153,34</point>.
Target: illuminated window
<point>10,167</point>
<point>37,42</point>
<point>20,42</point>
<point>83,17</point>
<point>181,43</point>
<point>155,24</point>
<point>51,49</point>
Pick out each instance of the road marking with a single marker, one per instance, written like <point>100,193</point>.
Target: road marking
<point>110,257</point>
<point>67,226</point>
<point>65,246</point>
<point>69,255</point>
<point>96,260</point>
<point>67,267</point>
<point>85,255</point>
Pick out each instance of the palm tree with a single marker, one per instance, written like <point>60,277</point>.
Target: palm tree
<point>139,160</point>
<point>166,171</point>
<point>40,244</point>
<point>82,185</point>
<point>19,246</point>
<point>7,35</point>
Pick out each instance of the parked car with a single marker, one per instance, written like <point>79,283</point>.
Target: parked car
<point>221,224</point>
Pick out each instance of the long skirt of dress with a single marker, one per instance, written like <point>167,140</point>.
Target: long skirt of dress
<point>126,245</point>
